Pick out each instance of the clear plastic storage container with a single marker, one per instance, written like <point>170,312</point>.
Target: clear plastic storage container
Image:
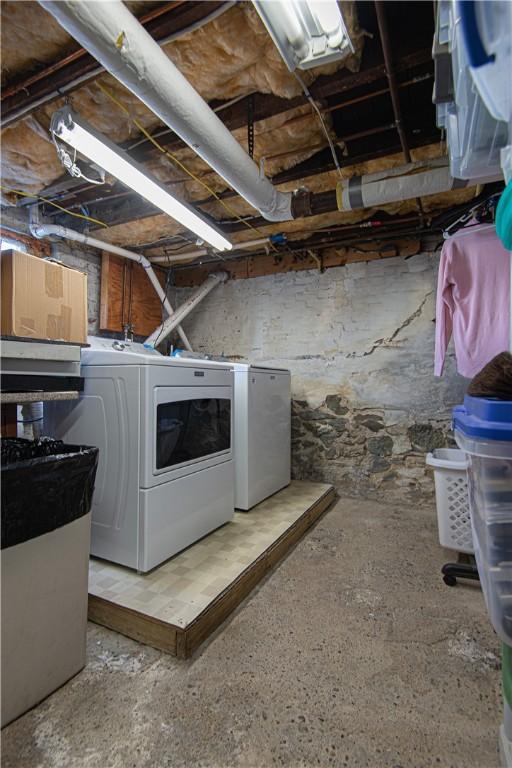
<point>483,430</point>
<point>487,33</point>
<point>474,136</point>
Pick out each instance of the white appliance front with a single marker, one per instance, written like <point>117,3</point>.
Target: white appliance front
<point>166,472</point>
<point>262,433</point>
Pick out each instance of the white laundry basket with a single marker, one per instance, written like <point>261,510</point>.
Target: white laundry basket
<point>452,501</point>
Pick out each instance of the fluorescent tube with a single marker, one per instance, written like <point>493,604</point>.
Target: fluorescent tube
<point>68,127</point>
<point>307,33</point>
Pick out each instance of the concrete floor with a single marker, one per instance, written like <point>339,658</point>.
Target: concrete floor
<point>352,653</point>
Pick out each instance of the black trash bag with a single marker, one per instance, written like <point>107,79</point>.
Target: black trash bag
<point>19,449</point>
<point>45,484</point>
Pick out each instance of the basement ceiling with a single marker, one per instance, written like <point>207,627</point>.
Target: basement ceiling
<point>226,53</point>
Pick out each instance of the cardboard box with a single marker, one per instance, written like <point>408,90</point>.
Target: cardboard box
<point>42,300</point>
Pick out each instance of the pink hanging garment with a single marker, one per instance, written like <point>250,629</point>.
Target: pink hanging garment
<point>473,300</point>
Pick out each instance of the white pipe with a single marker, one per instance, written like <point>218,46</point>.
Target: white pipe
<point>46,230</point>
<point>369,191</point>
<point>426,177</point>
<point>192,255</point>
<point>213,279</point>
<point>110,33</point>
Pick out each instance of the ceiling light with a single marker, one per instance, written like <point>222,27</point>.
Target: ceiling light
<point>69,127</point>
<point>307,33</point>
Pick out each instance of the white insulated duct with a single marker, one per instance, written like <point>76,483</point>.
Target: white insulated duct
<point>161,333</point>
<point>186,256</point>
<point>110,33</point>
<point>48,230</point>
<point>430,177</point>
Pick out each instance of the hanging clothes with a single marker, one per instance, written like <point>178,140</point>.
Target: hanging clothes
<point>473,300</point>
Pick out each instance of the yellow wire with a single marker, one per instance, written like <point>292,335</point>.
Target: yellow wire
<point>175,160</point>
<point>55,205</point>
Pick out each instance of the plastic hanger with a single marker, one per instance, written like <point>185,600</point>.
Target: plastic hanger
<point>468,230</point>
<point>487,206</point>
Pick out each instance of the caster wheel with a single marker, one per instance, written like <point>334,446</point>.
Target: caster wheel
<point>450,581</point>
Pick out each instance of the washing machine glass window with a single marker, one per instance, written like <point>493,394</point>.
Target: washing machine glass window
<point>190,429</point>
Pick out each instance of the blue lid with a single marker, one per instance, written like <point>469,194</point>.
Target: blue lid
<point>485,418</point>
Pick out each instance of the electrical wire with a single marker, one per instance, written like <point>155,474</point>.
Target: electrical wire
<point>71,166</point>
<point>176,161</point>
<point>55,205</point>
<point>311,100</point>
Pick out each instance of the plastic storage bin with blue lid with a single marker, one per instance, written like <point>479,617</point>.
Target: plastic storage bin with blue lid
<point>483,430</point>
<point>475,136</point>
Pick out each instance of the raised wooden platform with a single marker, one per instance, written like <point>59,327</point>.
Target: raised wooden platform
<point>179,604</point>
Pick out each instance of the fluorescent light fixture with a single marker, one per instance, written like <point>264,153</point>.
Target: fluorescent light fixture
<point>307,33</point>
<point>69,127</point>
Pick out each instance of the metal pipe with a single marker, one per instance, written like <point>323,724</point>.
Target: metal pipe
<point>186,308</point>
<point>393,88</point>
<point>46,230</point>
<point>390,74</point>
<point>374,94</point>
<point>121,44</point>
<point>192,255</point>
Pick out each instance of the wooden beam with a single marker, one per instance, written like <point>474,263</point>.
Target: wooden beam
<point>271,264</point>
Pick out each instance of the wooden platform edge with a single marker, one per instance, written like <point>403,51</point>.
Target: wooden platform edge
<point>184,642</point>
<point>189,639</point>
<point>146,629</point>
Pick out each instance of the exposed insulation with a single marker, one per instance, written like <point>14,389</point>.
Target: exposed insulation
<point>48,41</point>
<point>280,142</point>
<point>142,231</point>
<point>234,56</point>
<point>229,57</point>
<point>29,162</point>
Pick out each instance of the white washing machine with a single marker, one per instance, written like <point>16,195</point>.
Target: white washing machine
<point>164,429</point>
<point>262,433</point>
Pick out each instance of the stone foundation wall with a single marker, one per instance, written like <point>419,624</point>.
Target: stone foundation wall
<point>359,341</point>
<point>364,451</point>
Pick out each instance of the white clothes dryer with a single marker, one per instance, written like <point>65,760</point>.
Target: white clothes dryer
<point>164,429</point>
